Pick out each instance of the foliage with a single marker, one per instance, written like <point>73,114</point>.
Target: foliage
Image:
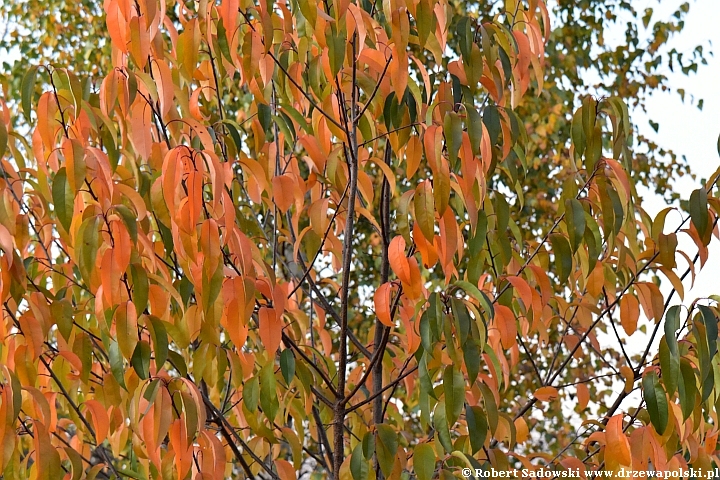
<point>285,236</point>
<point>580,46</point>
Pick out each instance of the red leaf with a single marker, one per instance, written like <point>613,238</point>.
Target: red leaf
<point>270,329</point>
<point>382,304</point>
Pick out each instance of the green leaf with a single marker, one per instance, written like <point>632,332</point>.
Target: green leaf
<point>687,388</point>
<point>62,313</point>
<point>129,219</point>
<point>425,20</point>
<point>656,402</point>
<point>441,426</point>
<point>287,365</point>
<point>359,467</point>
<point>473,123</point>
<point>386,445</point>
<point>474,292</point>
<point>87,248</point>
<point>575,220</point>
<point>368,445</point>
<point>490,406</point>
<point>699,211</point>
<point>477,427</point>
<point>454,388</point>
<point>27,89</point>
<point>159,337</point>
<point>711,329</point>
<point>471,355</point>
<point>672,325</point>
<point>222,40</point>
<point>426,384</point>
<point>563,256</point>
<point>424,204</point>
<point>140,286</point>
<point>491,119</point>
<point>577,134</point>
<point>670,365</point>
<point>426,336</point>
<point>424,461</point>
<point>453,135</point>
<point>336,50</point>
<point>268,393</point>
<point>462,319</point>
<point>140,359</point>
<point>251,394</point>
<point>63,199</point>
<point>116,363</point>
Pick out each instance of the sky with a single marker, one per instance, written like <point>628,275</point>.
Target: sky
<point>687,130</point>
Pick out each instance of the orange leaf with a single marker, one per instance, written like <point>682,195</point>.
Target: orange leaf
<point>283,187</point>
<point>629,313</point>
<point>521,429</point>
<point>546,394</point>
<point>285,470</point>
<point>583,395</point>
<point>382,304</point>
<point>651,300</point>
<point>523,289</point>
<point>270,329</point>
<point>617,449</point>
<point>141,128</point>
<point>398,261</point>
<point>505,322</point>
<point>629,377</point>
<point>100,420</point>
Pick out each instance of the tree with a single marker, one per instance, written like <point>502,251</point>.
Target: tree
<point>286,235</point>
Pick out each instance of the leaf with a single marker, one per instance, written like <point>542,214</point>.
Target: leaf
<point>268,393</point>
<point>116,363</point>
<point>3,138</point>
<point>382,298</point>
<point>672,325</point>
<point>386,446</point>
<point>159,337</point>
<point>87,248</point>
<point>251,394</point>
<point>473,123</point>
<point>477,427</point>
<point>140,359</point>
<point>575,220</point>
<point>656,402</point>
<point>454,388</point>
<point>699,211</point>
<point>651,300</point>
<point>546,394</point>
<point>270,329</point>
<point>441,426</point>
<point>617,450</point>
<point>63,199</point>
<point>359,466</point>
<point>687,388</point>
<point>507,325</point>
<point>287,365</point>
<point>27,88</point>
<point>424,462</point>
<point>563,256</point>
<point>670,367</point>
<point>453,135</point>
<point>629,313</point>
<point>583,396</point>
<point>100,420</point>
<point>424,204</point>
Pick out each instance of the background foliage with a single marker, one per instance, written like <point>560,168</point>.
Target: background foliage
<point>363,239</point>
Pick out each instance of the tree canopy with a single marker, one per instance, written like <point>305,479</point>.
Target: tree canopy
<point>364,239</point>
